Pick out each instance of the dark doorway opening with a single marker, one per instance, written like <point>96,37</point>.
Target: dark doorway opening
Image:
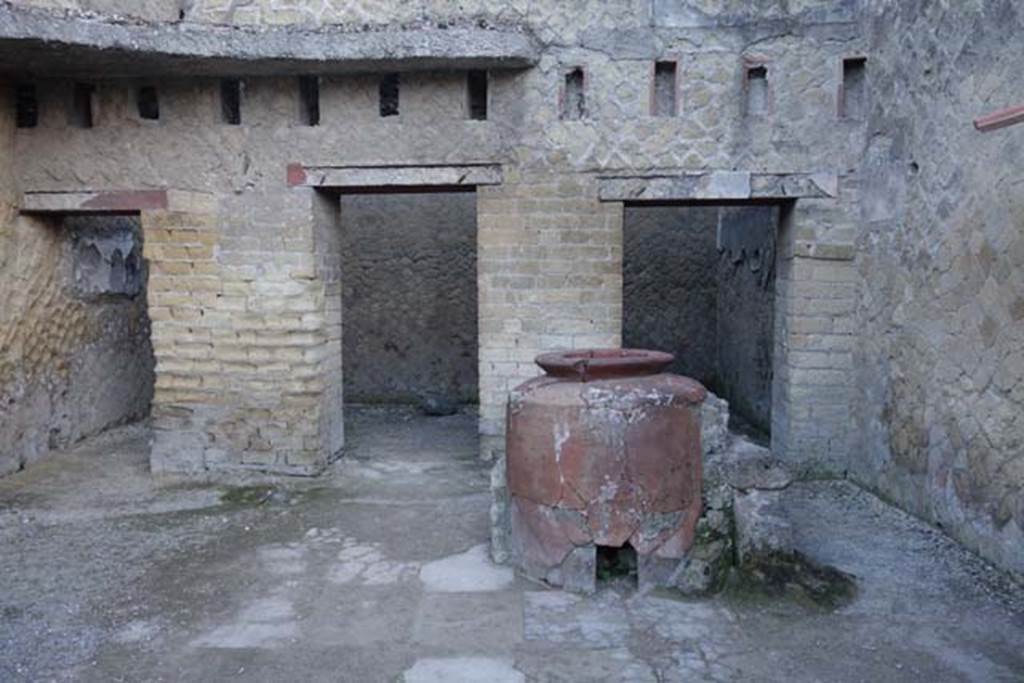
<point>699,282</point>
<point>409,299</point>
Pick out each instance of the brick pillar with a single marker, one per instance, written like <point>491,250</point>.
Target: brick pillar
<point>812,393</point>
<point>246,334</point>
<point>550,277</point>
<point>326,217</point>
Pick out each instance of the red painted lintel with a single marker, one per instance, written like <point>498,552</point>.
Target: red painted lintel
<point>94,202</point>
<point>1000,119</point>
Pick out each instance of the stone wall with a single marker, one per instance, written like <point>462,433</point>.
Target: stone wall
<point>144,10</point>
<point>561,17</point>
<point>240,361</point>
<point>940,363</point>
<point>75,354</point>
<point>409,264</point>
<point>550,277</point>
<point>897,291</point>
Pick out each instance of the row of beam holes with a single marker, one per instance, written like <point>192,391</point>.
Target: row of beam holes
<point>26,101</point>
<point>664,95</point>
<point>80,115</point>
<point>574,104</point>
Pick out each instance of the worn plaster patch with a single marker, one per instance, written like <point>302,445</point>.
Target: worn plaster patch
<point>464,670</point>
<point>137,631</point>
<point>263,623</point>
<point>466,572</point>
<point>283,559</point>
<point>558,617</point>
<point>365,564</point>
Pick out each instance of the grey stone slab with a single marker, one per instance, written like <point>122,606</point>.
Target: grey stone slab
<point>470,622</point>
<point>356,177</point>
<point>718,186</point>
<point>61,44</point>
<point>559,617</point>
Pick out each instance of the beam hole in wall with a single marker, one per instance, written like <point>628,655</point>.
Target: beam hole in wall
<point>853,91</point>
<point>309,100</point>
<point>756,88</point>
<point>82,96</point>
<point>231,101</point>
<point>476,94</point>
<point>664,89</point>
<point>574,102</point>
<point>26,105</point>
<point>389,94</point>
<point>699,282</point>
<point>148,103</point>
<point>409,299</point>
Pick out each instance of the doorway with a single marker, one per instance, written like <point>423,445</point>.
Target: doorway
<point>699,282</point>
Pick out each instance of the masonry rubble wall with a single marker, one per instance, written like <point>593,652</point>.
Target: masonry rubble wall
<point>670,288</point>
<point>940,366</point>
<point>140,10</point>
<point>745,315</point>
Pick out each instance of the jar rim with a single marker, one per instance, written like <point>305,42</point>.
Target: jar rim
<point>602,363</point>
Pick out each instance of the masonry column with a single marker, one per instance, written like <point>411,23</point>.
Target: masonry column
<point>550,277</point>
<point>816,298</point>
<point>245,333</point>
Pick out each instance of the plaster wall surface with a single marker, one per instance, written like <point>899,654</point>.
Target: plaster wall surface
<point>669,13</point>
<point>409,265</point>
<point>940,361</point>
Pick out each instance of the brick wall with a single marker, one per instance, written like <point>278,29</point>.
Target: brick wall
<point>247,341</point>
<point>816,290</point>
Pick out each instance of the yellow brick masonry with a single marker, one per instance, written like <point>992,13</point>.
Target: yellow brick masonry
<point>240,355</point>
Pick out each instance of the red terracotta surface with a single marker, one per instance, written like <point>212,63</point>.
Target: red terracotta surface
<point>588,364</point>
<point>619,455</point>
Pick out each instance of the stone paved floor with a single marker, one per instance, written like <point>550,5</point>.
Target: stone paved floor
<point>378,572</point>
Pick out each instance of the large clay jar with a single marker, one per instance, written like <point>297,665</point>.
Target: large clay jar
<point>604,450</point>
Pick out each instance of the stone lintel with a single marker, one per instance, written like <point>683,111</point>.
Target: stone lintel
<point>89,202</point>
<point>718,186</point>
<point>357,178</point>
<point>34,41</point>
<point>824,251</point>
